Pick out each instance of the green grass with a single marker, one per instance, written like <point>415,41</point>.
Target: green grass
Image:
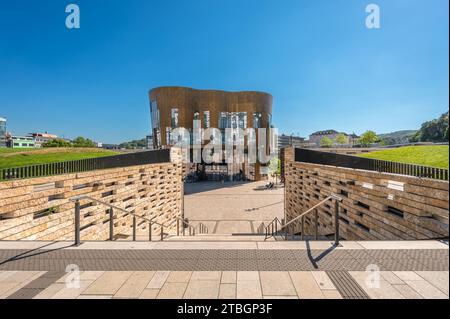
<point>435,155</point>
<point>23,157</point>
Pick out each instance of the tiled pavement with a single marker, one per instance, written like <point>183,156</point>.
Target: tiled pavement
<point>351,271</point>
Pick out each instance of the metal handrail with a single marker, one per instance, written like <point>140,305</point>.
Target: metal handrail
<point>118,208</point>
<point>77,199</point>
<point>302,215</point>
<point>311,209</point>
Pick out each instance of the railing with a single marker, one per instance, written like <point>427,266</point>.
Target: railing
<point>112,208</point>
<point>349,161</point>
<point>288,228</point>
<point>83,165</point>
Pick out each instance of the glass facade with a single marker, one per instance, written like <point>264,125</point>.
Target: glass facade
<point>233,120</point>
<point>174,117</point>
<point>257,120</point>
<point>156,129</point>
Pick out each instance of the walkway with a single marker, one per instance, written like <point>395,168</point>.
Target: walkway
<point>417,269</point>
<point>232,207</point>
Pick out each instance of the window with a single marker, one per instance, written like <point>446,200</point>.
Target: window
<point>168,141</point>
<point>174,118</point>
<point>154,114</point>
<point>257,119</point>
<point>206,123</point>
<point>223,120</point>
<point>196,115</point>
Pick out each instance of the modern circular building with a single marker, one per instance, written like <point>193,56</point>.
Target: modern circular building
<point>173,107</point>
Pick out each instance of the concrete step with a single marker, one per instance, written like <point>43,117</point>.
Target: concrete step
<point>222,237</point>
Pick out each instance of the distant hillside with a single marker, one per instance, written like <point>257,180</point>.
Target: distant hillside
<point>398,137</point>
<point>134,144</point>
<point>433,131</point>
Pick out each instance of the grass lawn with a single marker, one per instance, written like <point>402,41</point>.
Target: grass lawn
<point>435,155</point>
<point>23,157</point>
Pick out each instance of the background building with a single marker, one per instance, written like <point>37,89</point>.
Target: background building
<point>173,107</point>
<point>41,138</point>
<point>316,137</point>
<point>290,140</point>
<point>2,132</point>
<point>21,142</point>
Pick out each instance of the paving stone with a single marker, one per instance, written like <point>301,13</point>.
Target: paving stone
<point>227,291</point>
<point>228,277</point>
<point>323,281</point>
<point>172,290</point>
<point>248,289</point>
<point>426,290</point>
<point>407,292</point>
<point>331,294</point>
<point>206,275</point>
<point>158,280</point>
<point>108,283</point>
<point>305,285</point>
<point>72,292</point>
<point>50,291</point>
<point>439,279</point>
<point>202,289</point>
<point>149,294</point>
<point>276,283</point>
<point>179,276</point>
<point>134,285</point>
<point>247,275</point>
<point>407,275</point>
<point>391,278</point>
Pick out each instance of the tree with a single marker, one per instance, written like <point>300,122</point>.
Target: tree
<point>433,131</point>
<point>275,166</point>
<point>341,139</point>
<point>57,143</point>
<point>326,142</point>
<point>367,138</point>
<point>83,142</point>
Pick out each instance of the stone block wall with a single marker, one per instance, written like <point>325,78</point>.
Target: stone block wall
<point>375,206</point>
<point>41,209</point>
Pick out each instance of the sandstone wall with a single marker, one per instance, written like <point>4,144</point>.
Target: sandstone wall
<point>40,208</point>
<point>376,206</point>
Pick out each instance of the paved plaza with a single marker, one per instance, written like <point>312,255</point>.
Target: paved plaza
<point>232,207</point>
<point>355,270</point>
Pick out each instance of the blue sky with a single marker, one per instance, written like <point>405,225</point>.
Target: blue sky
<point>324,68</point>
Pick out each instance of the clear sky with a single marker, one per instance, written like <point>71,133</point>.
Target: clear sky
<point>324,68</point>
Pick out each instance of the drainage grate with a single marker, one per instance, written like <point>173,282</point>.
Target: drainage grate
<point>346,285</point>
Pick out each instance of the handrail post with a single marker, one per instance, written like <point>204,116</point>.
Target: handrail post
<point>178,227</point>
<point>316,225</point>
<point>285,233</point>
<point>149,231</point>
<point>111,224</point>
<point>303,228</point>
<point>183,228</point>
<point>336,222</point>
<point>134,228</point>
<point>77,223</point>
<point>162,232</point>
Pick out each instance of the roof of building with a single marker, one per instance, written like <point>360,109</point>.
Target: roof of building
<point>325,132</point>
